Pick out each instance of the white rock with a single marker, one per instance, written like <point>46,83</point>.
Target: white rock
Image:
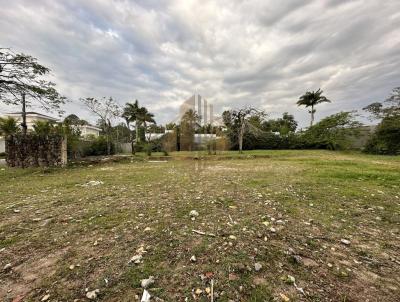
<point>136,259</point>
<point>45,297</point>
<point>193,258</point>
<point>233,237</point>
<point>146,296</point>
<point>273,230</point>
<point>257,266</point>
<point>146,283</point>
<point>7,267</point>
<point>193,213</point>
<point>345,241</point>
<point>92,294</point>
<point>147,229</point>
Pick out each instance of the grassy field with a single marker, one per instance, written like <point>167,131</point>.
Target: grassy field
<point>323,226</point>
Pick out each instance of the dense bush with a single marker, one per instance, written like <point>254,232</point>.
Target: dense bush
<point>96,147</point>
<point>333,132</point>
<point>386,139</point>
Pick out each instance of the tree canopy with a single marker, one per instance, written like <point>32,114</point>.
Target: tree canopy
<point>311,99</point>
<point>21,74</point>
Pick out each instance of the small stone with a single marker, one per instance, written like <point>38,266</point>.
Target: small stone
<point>92,295</point>
<point>273,230</point>
<point>147,229</point>
<point>45,297</point>
<point>17,211</point>
<point>198,291</point>
<point>7,267</point>
<point>330,265</point>
<point>297,259</point>
<point>146,283</point>
<point>233,237</point>
<point>284,297</point>
<point>193,213</point>
<point>257,266</point>
<point>208,290</point>
<point>345,241</point>
<point>71,267</point>
<point>193,258</point>
<point>135,259</point>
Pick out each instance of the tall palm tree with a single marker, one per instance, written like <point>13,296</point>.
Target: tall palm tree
<point>311,99</point>
<point>130,113</point>
<point>144,117</point>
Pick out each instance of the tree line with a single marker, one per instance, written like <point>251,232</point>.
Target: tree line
<point>23,82</point>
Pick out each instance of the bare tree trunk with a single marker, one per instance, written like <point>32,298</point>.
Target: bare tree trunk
<point>241,134</point>
<point>108,125</point>
<point>137,132</point>
<point>312,116</point>
<point>23,124</point>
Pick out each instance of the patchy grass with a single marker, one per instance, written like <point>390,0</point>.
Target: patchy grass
<point>61,237</point>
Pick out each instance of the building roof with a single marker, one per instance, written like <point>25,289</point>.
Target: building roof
<point>90,127</point>
<point>32,113</point>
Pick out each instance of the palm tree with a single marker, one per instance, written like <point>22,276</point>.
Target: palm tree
<point>8,126</point>
<point>144,117</point>
<point>130,114</point>
<point>311,99</point>
<point>43,128</point>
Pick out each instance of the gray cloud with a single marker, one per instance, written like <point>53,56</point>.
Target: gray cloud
<point>234,53</point>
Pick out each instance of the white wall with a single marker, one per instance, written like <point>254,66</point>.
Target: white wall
<point>2,145</point>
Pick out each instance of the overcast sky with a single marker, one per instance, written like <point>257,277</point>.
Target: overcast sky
<point>234,53</point>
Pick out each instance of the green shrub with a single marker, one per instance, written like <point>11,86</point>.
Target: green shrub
<point>386,139</point>
<point>96,147</point>
<point>333,132</point>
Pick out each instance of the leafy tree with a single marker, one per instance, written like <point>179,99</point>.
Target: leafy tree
<point>43,128</point>
<point>121,133</point>
<point>386,139</point>
<point>153,128</point>
<point>22,82</point>
<point>170,126</point>
<point>8,126</point>
<point>390,107</point>
<point>74,120</point>
<point>311,99</point>
<point>106,110</point>
<point>333,132</point>
<point>238,121</point>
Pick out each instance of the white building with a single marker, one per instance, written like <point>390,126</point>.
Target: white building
<point>89,130</point>
<point>31,118</point>
<point>200,105</point>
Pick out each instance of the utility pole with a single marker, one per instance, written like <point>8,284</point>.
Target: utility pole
<point>23,125</point>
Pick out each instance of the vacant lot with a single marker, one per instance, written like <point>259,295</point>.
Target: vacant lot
<point>318,226</point>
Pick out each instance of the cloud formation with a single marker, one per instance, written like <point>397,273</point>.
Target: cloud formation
<point>234,53</point>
